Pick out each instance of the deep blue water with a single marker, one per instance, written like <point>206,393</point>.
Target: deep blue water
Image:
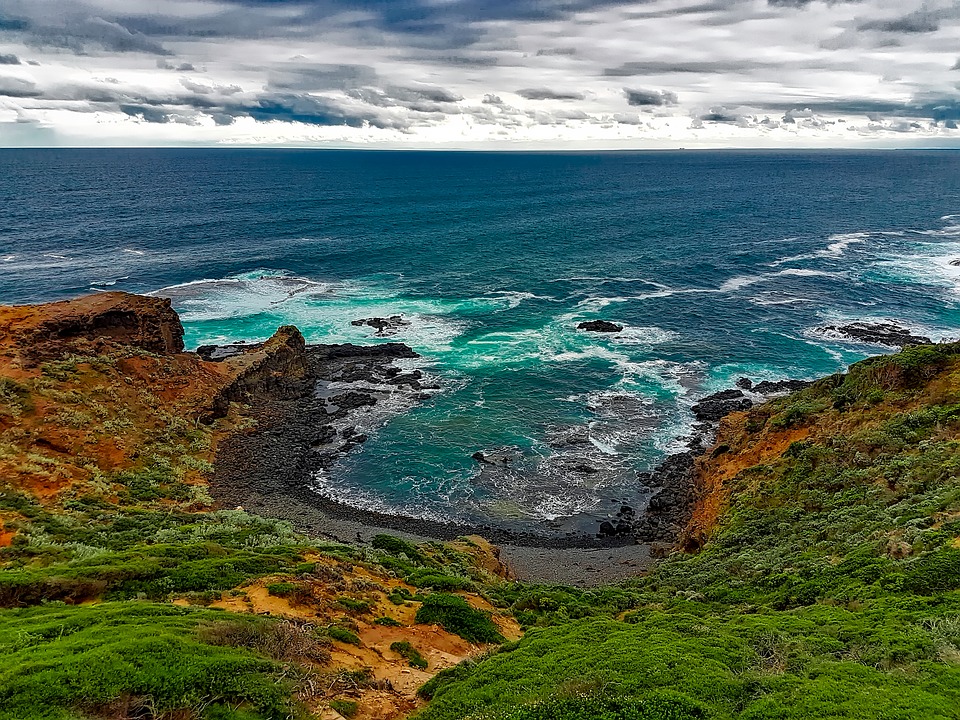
<point>720,264</point>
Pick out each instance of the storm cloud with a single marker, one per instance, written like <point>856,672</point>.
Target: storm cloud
<point>563,73</point>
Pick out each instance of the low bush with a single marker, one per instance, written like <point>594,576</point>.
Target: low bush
<point>59,659</point>
<point>410,654</point>
<point>341,634</point>
<point>455,615</point>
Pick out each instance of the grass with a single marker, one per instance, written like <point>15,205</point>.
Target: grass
<point>110,659</point>
<point>829,589</point>
<point>410,654</point>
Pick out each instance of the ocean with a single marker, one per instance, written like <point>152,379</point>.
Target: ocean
<point>718,265</point>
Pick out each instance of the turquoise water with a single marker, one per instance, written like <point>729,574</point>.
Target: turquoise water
<point>718,264</point>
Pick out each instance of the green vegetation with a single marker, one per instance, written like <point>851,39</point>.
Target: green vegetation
<point>829,588</point>
<point>387,622</point>
<point>111,659</point>
<point>454,614</point>
<point>359,607</point>
<point>410,653</point>
<point>347,708</point>
<point>341,634</point>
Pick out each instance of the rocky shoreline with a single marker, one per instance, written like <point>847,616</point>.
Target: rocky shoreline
<point>314,409</point>
<point>318,402</point>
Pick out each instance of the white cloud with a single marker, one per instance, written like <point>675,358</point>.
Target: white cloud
<point>660,73</point>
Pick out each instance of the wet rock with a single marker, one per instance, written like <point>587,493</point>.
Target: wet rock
<point>383,326</point>
<point>607,529</point>
<point>326,435</point>
<point>713,407</point>
<point>352,400</point>
<point>744,383</point>
<point>600,326</point>
<point>889,334</point>
<point>768,387</point>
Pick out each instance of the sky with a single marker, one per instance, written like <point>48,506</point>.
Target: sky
<point>490,74</point>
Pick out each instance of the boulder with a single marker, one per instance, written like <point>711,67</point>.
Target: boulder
<point>383,326</point>
<point>600,326</point>
<point>713,407</point>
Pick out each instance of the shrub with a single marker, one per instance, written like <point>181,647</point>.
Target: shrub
<point>343,635</point>
<point>58,659</point>
<point>387,622</point>
<point>282,589</point>
<point>359,607</point>
<point>347,708</point>
<point>455,615</point>
<point>410,653</point>
<point>396,546</point>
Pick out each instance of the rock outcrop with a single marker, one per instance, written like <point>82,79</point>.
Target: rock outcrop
<point>888,334</point>
<point>86,325</point>
<point>384,326</point>
<point>600,326</point>
<point>276,368</point>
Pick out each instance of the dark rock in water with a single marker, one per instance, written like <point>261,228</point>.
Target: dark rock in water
<point>481,458</point>
<point>955,263</point>
<point>383,326</point>
<point>352,399</point>
<point>626,510</point>
<point>888,334</point>
<point>745,383</point>
<point>600,326</point>
<point>768,387</point>
<point>713,407</point>
<point>607,529</point>
<point>412,379</point>
<point>326,435</point>
<point>393,350</point>
<point>584,468</point>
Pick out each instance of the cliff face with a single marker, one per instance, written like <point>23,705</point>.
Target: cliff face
<point>97,389</point>
<point>869,424</point>
<point>274,368</point>
<point>86,325</point>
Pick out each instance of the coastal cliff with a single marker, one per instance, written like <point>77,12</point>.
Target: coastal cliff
<point>819,571</point>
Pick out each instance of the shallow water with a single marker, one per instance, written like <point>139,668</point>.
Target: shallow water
<point>718,264</point>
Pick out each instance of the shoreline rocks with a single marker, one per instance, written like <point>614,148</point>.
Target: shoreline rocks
<point>888,334</point>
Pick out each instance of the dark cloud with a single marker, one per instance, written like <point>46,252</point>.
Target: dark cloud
<point>663,67</point>
<point>547,94</point>
<point>83,35</point>
<point>557,51</point>
<point>12,24</point>
<point>17,88</point>
<point>490,99</point>
<point>9,60</point>
<point>643,98</point>
<point>318,77</point>
<point>163,64</point>
<point>918,22</point>
<point>804,3</point>
<point>424,98</point>
<point>150,114</point>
